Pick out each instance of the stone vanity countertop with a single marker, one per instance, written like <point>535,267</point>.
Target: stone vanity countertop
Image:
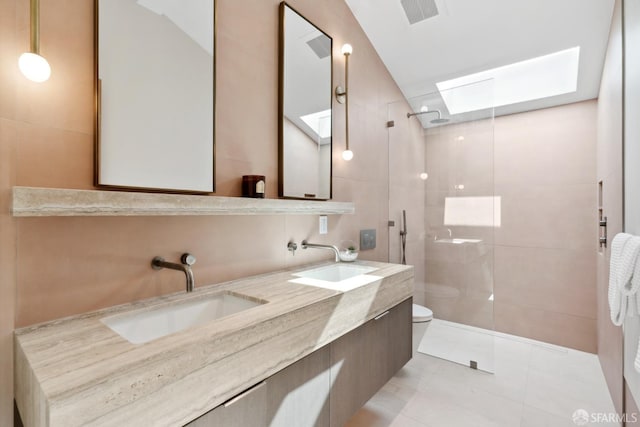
<point>77,372</point>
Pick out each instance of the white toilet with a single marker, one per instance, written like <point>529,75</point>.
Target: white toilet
<point>421,318</point>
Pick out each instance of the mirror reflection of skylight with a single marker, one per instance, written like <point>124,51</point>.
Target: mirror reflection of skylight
<point>193,17</point>
<point>319,122</point>
<point>535,78</point>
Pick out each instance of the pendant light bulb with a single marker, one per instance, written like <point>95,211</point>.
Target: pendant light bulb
<point>31,64</point>
<point>347,155</point>
<point>34,67</point>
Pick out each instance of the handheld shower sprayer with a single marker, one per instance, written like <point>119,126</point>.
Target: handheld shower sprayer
<point>404,222</point>
<point>403,237</point>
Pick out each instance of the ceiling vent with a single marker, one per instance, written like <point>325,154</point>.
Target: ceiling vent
<point>321,46</point>
<point>419,10</point>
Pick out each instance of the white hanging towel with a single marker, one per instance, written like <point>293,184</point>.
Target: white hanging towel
<point>622,292</point>
<point>630,269</point>
<point>635,285</point>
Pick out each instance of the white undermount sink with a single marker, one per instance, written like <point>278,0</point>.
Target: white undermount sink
<point>146,325</point>
<point>339,276</point>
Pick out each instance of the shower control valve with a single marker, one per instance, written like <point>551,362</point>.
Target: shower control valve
<point>292,247</point>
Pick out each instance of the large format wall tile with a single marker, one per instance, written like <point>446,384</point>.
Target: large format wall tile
<point>555,328</point>
<point>106,261</point>
<point>549,217</point>
<point>9,51</point>
<point>54,158</point>
<point>556,280</point>
<point>609,172</point>
<point>553,146</point>
<point>8,132</point>
<point>66,100</point>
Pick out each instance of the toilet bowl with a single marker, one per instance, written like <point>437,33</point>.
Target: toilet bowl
<point>421,318</point>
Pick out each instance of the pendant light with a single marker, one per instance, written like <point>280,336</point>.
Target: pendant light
<point>342,96</point>
<point>31,64</point>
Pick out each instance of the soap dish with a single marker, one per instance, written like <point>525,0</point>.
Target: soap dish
<point>348,251</point>
<point>348,256</point>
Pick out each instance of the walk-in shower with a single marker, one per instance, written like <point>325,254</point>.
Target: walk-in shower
<point>442,176</point>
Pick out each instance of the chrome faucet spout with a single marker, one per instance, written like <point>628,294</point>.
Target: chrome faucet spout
<point>158,263</point>
<point>306,245</point>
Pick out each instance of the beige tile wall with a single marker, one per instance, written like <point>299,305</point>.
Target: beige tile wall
<point>609,171</point>
<point>545,268</point>
<point>53,267</point>
<point>8,135</point>
<point>541,260</point>
<point>7,266</point>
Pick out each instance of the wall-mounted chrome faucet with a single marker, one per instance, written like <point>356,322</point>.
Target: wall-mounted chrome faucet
<point>448,230</point>
<point>292,247</point>
<point>187,260</point>
<point>333,248</point>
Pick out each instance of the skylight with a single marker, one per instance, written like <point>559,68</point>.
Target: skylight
<point>319,122</point>
<point>535,78</point>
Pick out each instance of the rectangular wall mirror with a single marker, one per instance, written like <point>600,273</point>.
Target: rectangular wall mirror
<point>155,87</point>
<point>305,108</point>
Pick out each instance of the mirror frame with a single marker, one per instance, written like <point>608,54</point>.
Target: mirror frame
<point>97,89</point>
<point>281,47</point>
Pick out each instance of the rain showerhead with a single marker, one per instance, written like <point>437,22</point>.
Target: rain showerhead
<point>439,120</point>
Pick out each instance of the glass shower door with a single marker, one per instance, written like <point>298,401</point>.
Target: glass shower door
<point>441,174</point>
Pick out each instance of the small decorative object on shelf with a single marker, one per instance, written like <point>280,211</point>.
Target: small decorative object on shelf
<point>253,186</point>
<point>348,251</point>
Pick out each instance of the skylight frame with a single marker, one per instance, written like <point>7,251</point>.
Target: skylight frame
<point>315,123</point>
<point>535,78</point>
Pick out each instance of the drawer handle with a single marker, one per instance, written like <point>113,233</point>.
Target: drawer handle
<point>380,316</point>
<point>243,394</point>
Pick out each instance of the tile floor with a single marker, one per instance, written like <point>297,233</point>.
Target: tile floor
<point>535,385</point>
<point>461,343</point>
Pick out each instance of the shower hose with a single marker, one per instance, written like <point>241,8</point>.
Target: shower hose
<point>403,237</point>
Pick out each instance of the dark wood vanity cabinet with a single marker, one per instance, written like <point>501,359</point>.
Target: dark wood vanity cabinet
<point>296,396</point>
<point>363,360</point>
<point>400,336</point>
<point>299,394</point>
<point>325,388</point>
<point>248,409</point>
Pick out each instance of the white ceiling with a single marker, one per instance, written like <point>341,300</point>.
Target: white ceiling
<point>469,36</point>
<point>194,17</point>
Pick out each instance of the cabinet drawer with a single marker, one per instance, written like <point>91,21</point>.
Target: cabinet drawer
<point>363,360</point>
<point>248,409</point>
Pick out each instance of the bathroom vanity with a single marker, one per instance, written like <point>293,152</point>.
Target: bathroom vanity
<point>301,355</point>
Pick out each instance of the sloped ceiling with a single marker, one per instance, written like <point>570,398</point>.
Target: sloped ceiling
<point>469,36</point>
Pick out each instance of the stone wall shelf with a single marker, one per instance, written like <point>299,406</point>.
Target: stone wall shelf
<point>40,202</point>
